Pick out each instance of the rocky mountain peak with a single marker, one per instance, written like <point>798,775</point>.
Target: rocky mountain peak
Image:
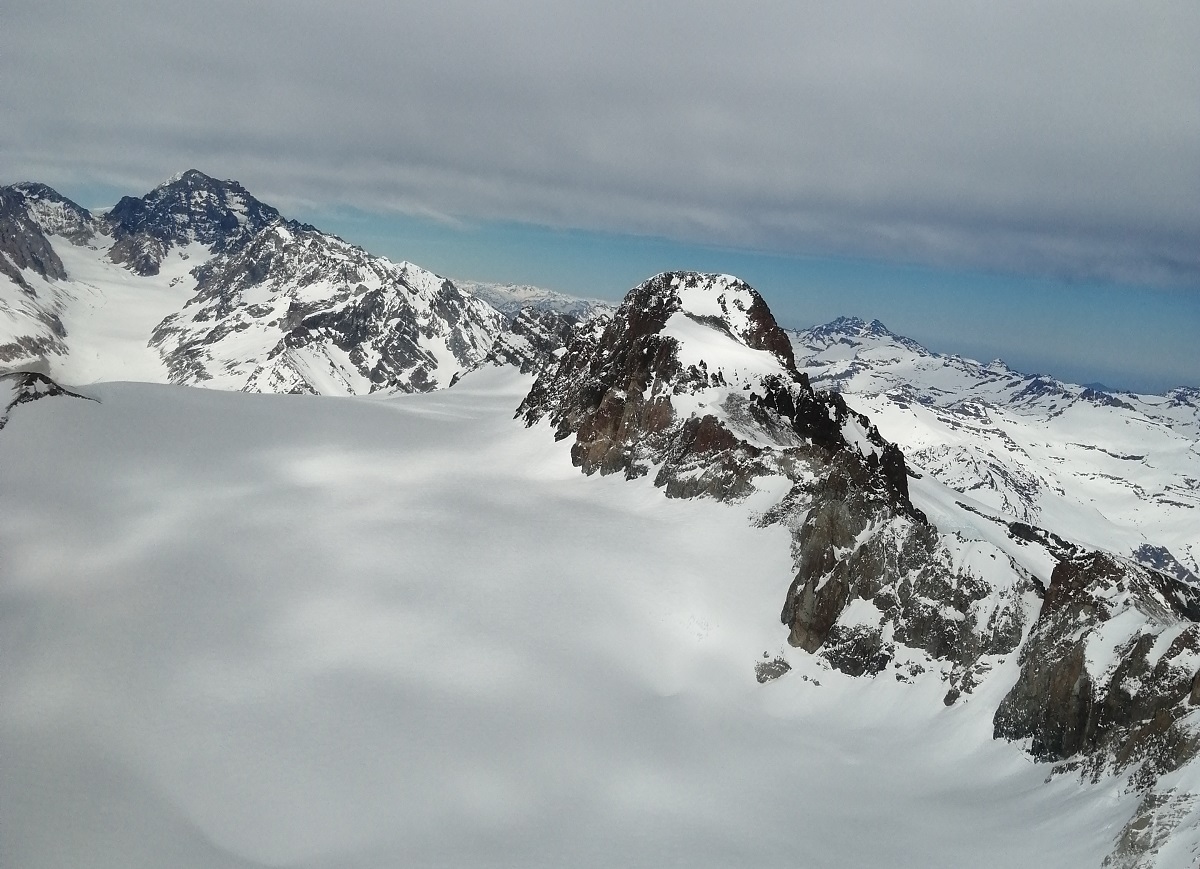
<point>853,332</point>
<point>55,214</point>
<point>693,374</point>
<point>23,244</point>
<point>189,208</point>
<point>297,310</point>
<point>723,304</point>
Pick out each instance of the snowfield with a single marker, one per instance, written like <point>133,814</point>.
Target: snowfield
<point>255,630</point>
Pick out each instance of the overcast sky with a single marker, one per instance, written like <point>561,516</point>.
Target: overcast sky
<point>1042,141</point>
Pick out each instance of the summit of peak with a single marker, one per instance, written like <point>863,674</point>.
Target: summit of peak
<point>194,177</point>
<point>189,207</point>
<point>723,303</point>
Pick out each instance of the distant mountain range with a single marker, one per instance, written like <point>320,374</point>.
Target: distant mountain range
<point>511,299</point>
<point>1117,471</point>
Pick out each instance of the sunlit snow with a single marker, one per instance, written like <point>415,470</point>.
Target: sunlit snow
<point>254,630</point>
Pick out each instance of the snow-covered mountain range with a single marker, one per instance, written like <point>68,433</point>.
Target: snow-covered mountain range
<point>975,569</point>
<point>511,299</point>
<point>1116,471</point>
<point>198,282</point>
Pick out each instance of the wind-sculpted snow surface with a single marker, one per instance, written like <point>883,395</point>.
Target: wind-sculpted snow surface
<point>252,630</point>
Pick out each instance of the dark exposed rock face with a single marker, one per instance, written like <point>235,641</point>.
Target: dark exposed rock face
<point>769,669</point>
<point>1160,558</point>
<point>23,245</point>
<point>634,396</point>
<point>221,215</point>
<point>615,389</point>
<point>1109,668</point>
<point>55,214</point>
<point>28,214</point>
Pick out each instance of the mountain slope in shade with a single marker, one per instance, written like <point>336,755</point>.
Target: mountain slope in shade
<point>31,328</point>
<point>1114,471</point>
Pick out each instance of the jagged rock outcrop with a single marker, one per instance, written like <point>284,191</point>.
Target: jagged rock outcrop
<point>533,339</point>
<point>55,214</point>
<point>31,327</point>
<point>693,378</point>
<point>1110,684</point>
<point>23,245</point>
<point>1112,663</point>
<point>22,387</point>
<point>623,383</point>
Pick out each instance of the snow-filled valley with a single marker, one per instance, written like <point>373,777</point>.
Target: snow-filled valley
<point>929,613</point>
<point>245,630</point>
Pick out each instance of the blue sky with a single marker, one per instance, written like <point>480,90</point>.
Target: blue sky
<point>1142,338</point>
<point>1129,337</point>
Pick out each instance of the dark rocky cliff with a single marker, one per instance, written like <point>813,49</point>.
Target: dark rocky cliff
<point>635,399</point>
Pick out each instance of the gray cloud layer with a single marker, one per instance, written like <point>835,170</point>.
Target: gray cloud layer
<point>1057,138</point>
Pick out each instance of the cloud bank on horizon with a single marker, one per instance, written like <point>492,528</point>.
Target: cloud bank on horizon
<point>1054,139</point>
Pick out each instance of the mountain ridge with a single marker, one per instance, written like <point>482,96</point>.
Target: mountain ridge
<point>245,298</point>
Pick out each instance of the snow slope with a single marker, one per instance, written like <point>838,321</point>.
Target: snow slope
<point>111,313</point>
<point>253,630</point>
<point>1115,471</point>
